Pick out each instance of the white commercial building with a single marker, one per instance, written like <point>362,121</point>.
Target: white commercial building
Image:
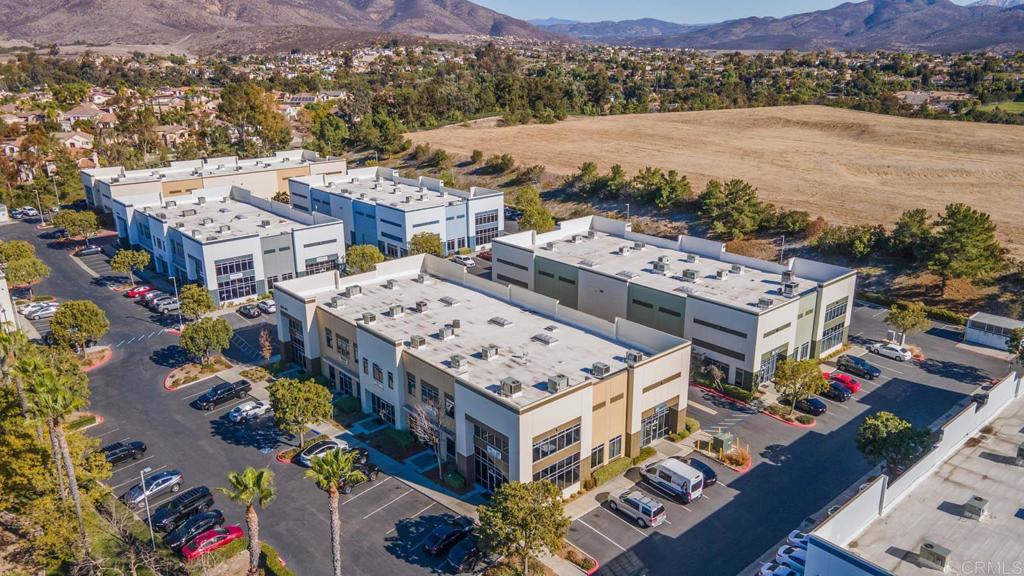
<point>991,330</point>
<point>234,244</point>
<point>264,177</point>
<point>742,314</point>
<point>524,388</point>
<point>382,209</point>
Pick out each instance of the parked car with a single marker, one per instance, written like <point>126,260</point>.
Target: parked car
<point>792,557</point>
<point>847,381</point>
<point>466,261</point>
<point>166,481</point>
<point>195,525</point>
<point>362,455</point>
<point>858,366</point>
<point>318,449</point>
<point>485,255</point>
<point>797,539</point>
<point>709,474</point>
<point>776,569</point>
<point>168,306</point>
<point>679,479</point>
<point>17,214</point>
<point>29,212</point>
<point>370,471</point>
<point>644,510</point>
<point>121,451</point>
<point>43,312</point>
<point>56,234</point>
<point>138,291</point>
<point>812,406</point>
<point>181,508</point>
<point>890,351</point>
<point>447,535</point>
<point>248,411</point>
<point>209,541</point>
<point>466,555</point>
<point>157,302</point>
<point>222,393</point>
<point>89,251</point>
<point>267,306</point>
<point>250,311</point>
<point>148,297</point>
<point>836,391</point>
<point>26,309</point>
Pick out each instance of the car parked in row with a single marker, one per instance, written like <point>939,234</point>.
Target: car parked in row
<point>267,306</point>
<point>89,251</point>
<point>370,472</point>
<point>792,557</point>
<point>148,297</point>
<point>182,507</point>
<point>446,535</point>
<point>858,366</point>
<point>26,309</point>
<point>211,540</point>
<point>49,310</point>
<point>222,393</point>
<point>138,291</point>
<point>642,509</point>
<point>798,539</point>
<point>465,556</point>
<point>811,405</point>
<point>891,351</point>
<point>183,533</point>
<point>776,569</point>
<point>152,485</point>
<point>320,449</point>
<point>836,391</point>
<point>709,474</point>
<point>248,411</point>
<point>123,451</point>
<point>250,311</point>
<point>847,381</point>
<point>466,261</point>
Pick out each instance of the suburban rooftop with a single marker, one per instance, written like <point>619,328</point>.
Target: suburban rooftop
<point>932,510</point>
<point>532,346</point>
<point>209,167</point>
<point>385,187</point>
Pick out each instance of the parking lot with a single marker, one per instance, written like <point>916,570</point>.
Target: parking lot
<point>796,472</point>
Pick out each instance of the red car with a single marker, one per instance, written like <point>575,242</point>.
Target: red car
<point>138,291</point>
<point>846,380</point>
<point>485,255</point>
<point>211,540</point>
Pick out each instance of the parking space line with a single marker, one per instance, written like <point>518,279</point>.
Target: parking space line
<point>134,462</point>
<point>702,407</point>
<point>623,520</point>
<point>416,515</point>
<point>666,493</point>
<point>153,506</point>
<point>599,533</point>
<point>111,431</point>
<point>367,490</point>
<point>231,405</point>
<point>191,396</point>
<point>135,479</point>
<point>395,499</point>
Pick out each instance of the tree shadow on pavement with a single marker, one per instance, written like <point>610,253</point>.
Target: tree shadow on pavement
<point>260,434</point>
<point>775,453</point>
<point>955,371</point>
<point>172,356</point>
<point>407,541</point>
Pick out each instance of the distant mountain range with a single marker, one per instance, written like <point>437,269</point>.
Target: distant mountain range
<point>930,25</point>
<point>241,23</point>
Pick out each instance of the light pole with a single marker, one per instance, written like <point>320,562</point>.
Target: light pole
<point>145,498</point>
<point>42,220</point>
<point>174,279</point>
<point>782,248</point>
<point>53,180</point>
<point>627,211</point>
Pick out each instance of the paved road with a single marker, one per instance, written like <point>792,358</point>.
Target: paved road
<point>383,522</point>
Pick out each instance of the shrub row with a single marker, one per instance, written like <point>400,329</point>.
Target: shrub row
<point>645,453</point>
<point>933,312</point>
<point>272,565</point>
<point>611,470</point>
<point>741,394</point>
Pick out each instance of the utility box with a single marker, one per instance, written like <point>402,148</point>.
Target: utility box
<point>934,555</point>
<point>722,442</point>
<point>976,508</point>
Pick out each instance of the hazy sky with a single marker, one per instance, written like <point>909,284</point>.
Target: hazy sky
<point>685,11</point>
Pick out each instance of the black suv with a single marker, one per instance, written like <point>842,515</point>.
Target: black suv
<point>858,366</point>
<point>182,507</point>
<point>221,393</point>
<point>192,527</point>
<point>447,535</point>
<point>120,451</point>
<point>371,471</point>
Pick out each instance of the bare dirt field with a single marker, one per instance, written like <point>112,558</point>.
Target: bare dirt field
<point>850,167</point>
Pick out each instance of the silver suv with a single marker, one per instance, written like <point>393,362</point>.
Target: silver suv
<point>644,510</point>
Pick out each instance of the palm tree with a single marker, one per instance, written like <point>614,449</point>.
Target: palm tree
<point>329,472</point>
<point>52,400</point>
<point>31,370</point>
<point>12,345</point>
<point>251,487</point>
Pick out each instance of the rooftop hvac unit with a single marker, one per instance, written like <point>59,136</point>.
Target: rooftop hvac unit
<point>445,332</point>
<point>634,357</point>
<point>459,362</point>
<point>557,383</point>
<point>690,274</point>
<point>664,259</point>
<point>457,324</point>
<point>737,269</point>
<point>422,197</point>
<point>224,228</point>
<point>489,352</point>
<point>550,246</point>
<point>499,321</point>
<point>639,245</point>
<point>788,289</point>
<point>423,278</point>
<point>576,238</point>
<point>391,284</point>
<point>510,387</point>
<point>934,554</point>
<point>396,310</point>
<point>421,306</point>
<point>353,291</point>
<point>787,276</point>
<point>369,317</point>
<point>449,301</point>
<point>600,369</point>
<point>170,204</point>
<point>591,234</point>
<point>179,224</point>
<point>623,250</point>
<point>201,200</point>
<point>764,303</point>
<point>661,267</point>
<point>265,223</point>
<point>976,508</point>
<point>188,212</point>
<point>723,274</point>
<point>207,220</point>
<point>417,342</point>
<point>693,258</point>
<point>335,302</point>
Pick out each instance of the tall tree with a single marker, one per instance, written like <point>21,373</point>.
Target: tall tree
<point>77,223</point>
<point>425,424</point>
<point>251,487</point>
<point>329,472</point>
<point>798,379</point>
<point>299,403</point>
<point>129,261</point>
<point>732,209</point>
<point>206,337</point>
<point>27,272</point>
<point>885,437</point>
<point>195,301</point>
<point>1015,346</point>
<point>362,258</point>
<point>534,215</point>
<point>907,318</point>
<point>965,245</point>
<point>912,236</point>
<point>253,113</point>
<point>426,243</point>
<point>266,345</point>
<point>77,323</point>
<point>522,520</point>
<point>15,250</point>
<point>12,345</point>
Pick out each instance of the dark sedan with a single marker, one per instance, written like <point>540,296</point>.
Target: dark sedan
<point>370,472</point>
<point>250,311</point>
<point>447,535</point>
<point>858,366</point>
<point>465,556</point>
<point>837,392</point>
<point>122,451</point>
<point>192,527</point>
<point>182,507</point>
<point>812,406</point>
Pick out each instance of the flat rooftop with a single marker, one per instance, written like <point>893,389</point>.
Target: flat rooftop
<point>365,186</point>
<point>1000,321</point>
<point>484,320</point>
<point>212,167</point>
<point>932,510</point>
<point>602,254</point>
<point>222,219</point>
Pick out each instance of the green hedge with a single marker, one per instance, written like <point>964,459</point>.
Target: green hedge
<point>933,312</point>
<point>454,479</point>
<point>611,470</point>
<point>348,404</point>
<point>645,453</point>
<point>692,425</point>
<point>272,562</point>
<point>741,394</point>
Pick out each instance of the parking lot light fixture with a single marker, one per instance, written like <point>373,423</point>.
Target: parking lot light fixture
<point>145,498</point>
<point>174,280</point>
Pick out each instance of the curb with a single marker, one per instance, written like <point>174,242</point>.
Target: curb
<point>788,423</point>
<point>714,392</point>
<point>99,420</point>
<point>106,358</point>
<point>282,460</point>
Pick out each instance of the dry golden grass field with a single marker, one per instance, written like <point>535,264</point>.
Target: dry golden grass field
<point>850,167</point>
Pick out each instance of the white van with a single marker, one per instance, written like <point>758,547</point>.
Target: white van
<point>679,479</point>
